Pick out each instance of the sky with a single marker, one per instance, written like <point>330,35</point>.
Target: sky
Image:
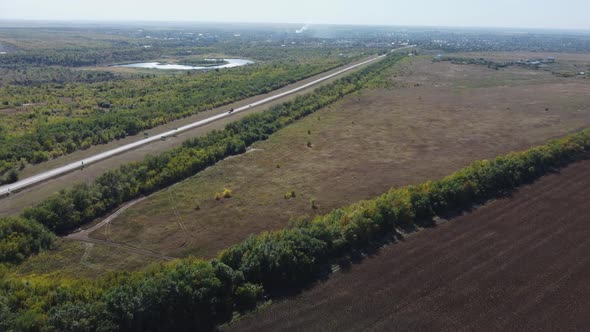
<point>563,14</point>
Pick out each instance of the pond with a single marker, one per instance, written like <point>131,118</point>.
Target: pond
<point>227,63</point>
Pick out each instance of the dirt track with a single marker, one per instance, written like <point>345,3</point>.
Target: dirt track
<point>82,235</point>
<point>520,263</point>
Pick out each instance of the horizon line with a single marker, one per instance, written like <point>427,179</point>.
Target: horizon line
<point>184,21</point>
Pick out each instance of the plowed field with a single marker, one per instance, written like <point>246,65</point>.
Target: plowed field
<point>519,263</point>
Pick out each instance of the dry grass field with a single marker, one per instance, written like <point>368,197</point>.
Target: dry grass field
<point>433,120</point>
<point>73,259</point>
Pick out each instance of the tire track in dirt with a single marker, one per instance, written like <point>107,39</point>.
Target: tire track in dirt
<point>87,249</point>
<point>187,242</point>
<point>123,246</point>
<point>83,235</point>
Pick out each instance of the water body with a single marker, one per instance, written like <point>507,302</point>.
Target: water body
<point>157,65</point>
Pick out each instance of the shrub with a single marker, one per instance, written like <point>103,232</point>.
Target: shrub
<point>247,295</point>
<point>11,176</point>
<point>20,238</point>
<point>177,296</point>
<point>313,204</point>
<point>279,259</point>
<point>78,316</point>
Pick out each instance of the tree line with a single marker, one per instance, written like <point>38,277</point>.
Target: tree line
<point>76,57</point>
<point>37,76</point>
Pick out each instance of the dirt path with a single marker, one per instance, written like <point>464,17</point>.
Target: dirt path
<point>519,263</point>
<point>82,235</point>
<point>187,242</point>
<point>125,247</point>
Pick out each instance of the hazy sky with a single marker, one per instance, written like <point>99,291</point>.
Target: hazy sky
<point>565,14</point>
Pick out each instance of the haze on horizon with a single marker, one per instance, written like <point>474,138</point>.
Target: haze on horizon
<point>567,14</point>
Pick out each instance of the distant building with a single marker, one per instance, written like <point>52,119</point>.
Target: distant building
<point>551,59</point>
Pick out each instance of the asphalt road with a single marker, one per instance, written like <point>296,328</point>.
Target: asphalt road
<point>56,172</point>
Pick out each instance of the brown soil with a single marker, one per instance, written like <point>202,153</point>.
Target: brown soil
<point>520,263</point>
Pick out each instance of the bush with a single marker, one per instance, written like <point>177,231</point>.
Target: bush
<point>78,316</point>
<point>20,238</point>
<point>277,259</point>
<point>7,317</point>
<point>314,204</point>
<point>246,296</point>
<point>178,296</point>
<point>11,176</point>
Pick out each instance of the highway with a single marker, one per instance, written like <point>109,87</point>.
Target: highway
<point>56,172</point>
